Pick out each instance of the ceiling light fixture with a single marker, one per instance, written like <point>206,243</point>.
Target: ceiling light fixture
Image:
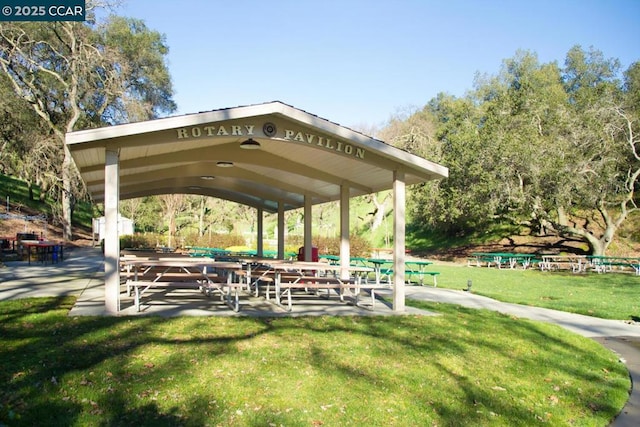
<point>207,177</point>
<point>250,144</point>
<point>225,164</point>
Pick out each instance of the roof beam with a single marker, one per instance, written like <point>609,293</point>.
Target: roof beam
<point>267,205</point>
<point>231,152</point>
<point>198,186</point>
<point>200,169</point>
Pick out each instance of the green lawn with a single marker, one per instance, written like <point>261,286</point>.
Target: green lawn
<point>461,367</point>
<point>608,296</point>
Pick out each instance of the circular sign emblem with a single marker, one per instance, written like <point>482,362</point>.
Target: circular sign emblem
<point>269,129</point>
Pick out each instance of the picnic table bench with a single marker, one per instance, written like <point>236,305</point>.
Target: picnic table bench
<point>315,284</point>
<point>229,292</point>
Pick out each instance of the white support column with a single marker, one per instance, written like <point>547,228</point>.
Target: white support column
<point>280,230</point>
<point>399,198</point>
<point>345,244</point>
<point>112,239</point>
<point>308,237</point>
<point>259,236</point>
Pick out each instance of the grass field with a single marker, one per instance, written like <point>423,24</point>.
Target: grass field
<point>460,367</point>
<point>608,296</point>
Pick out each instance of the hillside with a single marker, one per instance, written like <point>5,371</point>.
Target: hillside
<point>12,226</point>
<point>22,213</point>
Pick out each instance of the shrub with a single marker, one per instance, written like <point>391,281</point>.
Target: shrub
<point>214,240</point>
<point>360,247</point>
<point>139,241</point>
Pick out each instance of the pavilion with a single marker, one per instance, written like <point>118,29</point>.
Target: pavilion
<point>272,157</point>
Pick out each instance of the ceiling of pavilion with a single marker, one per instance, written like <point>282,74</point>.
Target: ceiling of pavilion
<point>300,155</point>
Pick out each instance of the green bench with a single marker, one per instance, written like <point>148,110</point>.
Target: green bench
<point>421,274</point>
<point>410,274</point>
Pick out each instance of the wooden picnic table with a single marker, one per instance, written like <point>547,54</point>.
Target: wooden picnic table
<point>287,276</point>
<point>317,276</point>
<point>207,276</point>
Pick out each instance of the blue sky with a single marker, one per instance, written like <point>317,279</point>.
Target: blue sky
<point>358,62</point>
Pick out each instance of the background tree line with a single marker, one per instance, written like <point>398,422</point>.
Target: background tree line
<point>548,147</point>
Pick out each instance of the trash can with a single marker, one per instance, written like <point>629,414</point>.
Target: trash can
<point>314,254</point>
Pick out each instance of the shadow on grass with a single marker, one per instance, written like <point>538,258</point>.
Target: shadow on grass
<point>137,371</point>
<point>548,353</point>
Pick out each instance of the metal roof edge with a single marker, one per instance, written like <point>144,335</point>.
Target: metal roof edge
<point>381,147</point>
<point>156,125</point>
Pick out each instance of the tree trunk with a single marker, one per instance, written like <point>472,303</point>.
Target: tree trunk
<point>67,233</point>
<point>201,214</point>
<point>597,245</point>
<point>172,229</point>
<point>599,248</point>
<point>380,212</point>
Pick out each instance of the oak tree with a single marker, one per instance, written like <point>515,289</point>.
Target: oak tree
<point>77,75</point>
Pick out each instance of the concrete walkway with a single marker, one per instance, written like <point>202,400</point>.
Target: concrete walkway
<point>81,270</point>
<point>81,274</point>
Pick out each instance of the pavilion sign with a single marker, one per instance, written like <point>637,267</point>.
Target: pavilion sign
<point>269,130</point>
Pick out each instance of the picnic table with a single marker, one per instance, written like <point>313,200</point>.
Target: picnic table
<point>576,263</point>
<point>317,276</point>
<point>283,277</point>
<point>415,268</point>
<point>419,269</point>
<point>199,251</point>
<point>361,261</point>
<point>332,259</point>
<point>43,250</point>
<point>8,242</point>
<point>502,258</point>
<point>378,269</point>
<point>206,275</point>
<point>603,264</point>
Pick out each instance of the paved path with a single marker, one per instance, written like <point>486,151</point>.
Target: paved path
<point>82,274</point>
<point>81,269</point>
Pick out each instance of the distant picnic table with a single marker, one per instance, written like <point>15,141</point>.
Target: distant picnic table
<point>603,264</point>
<point>548,262</point>
<point>576,263</point>
<point>502,258</point>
